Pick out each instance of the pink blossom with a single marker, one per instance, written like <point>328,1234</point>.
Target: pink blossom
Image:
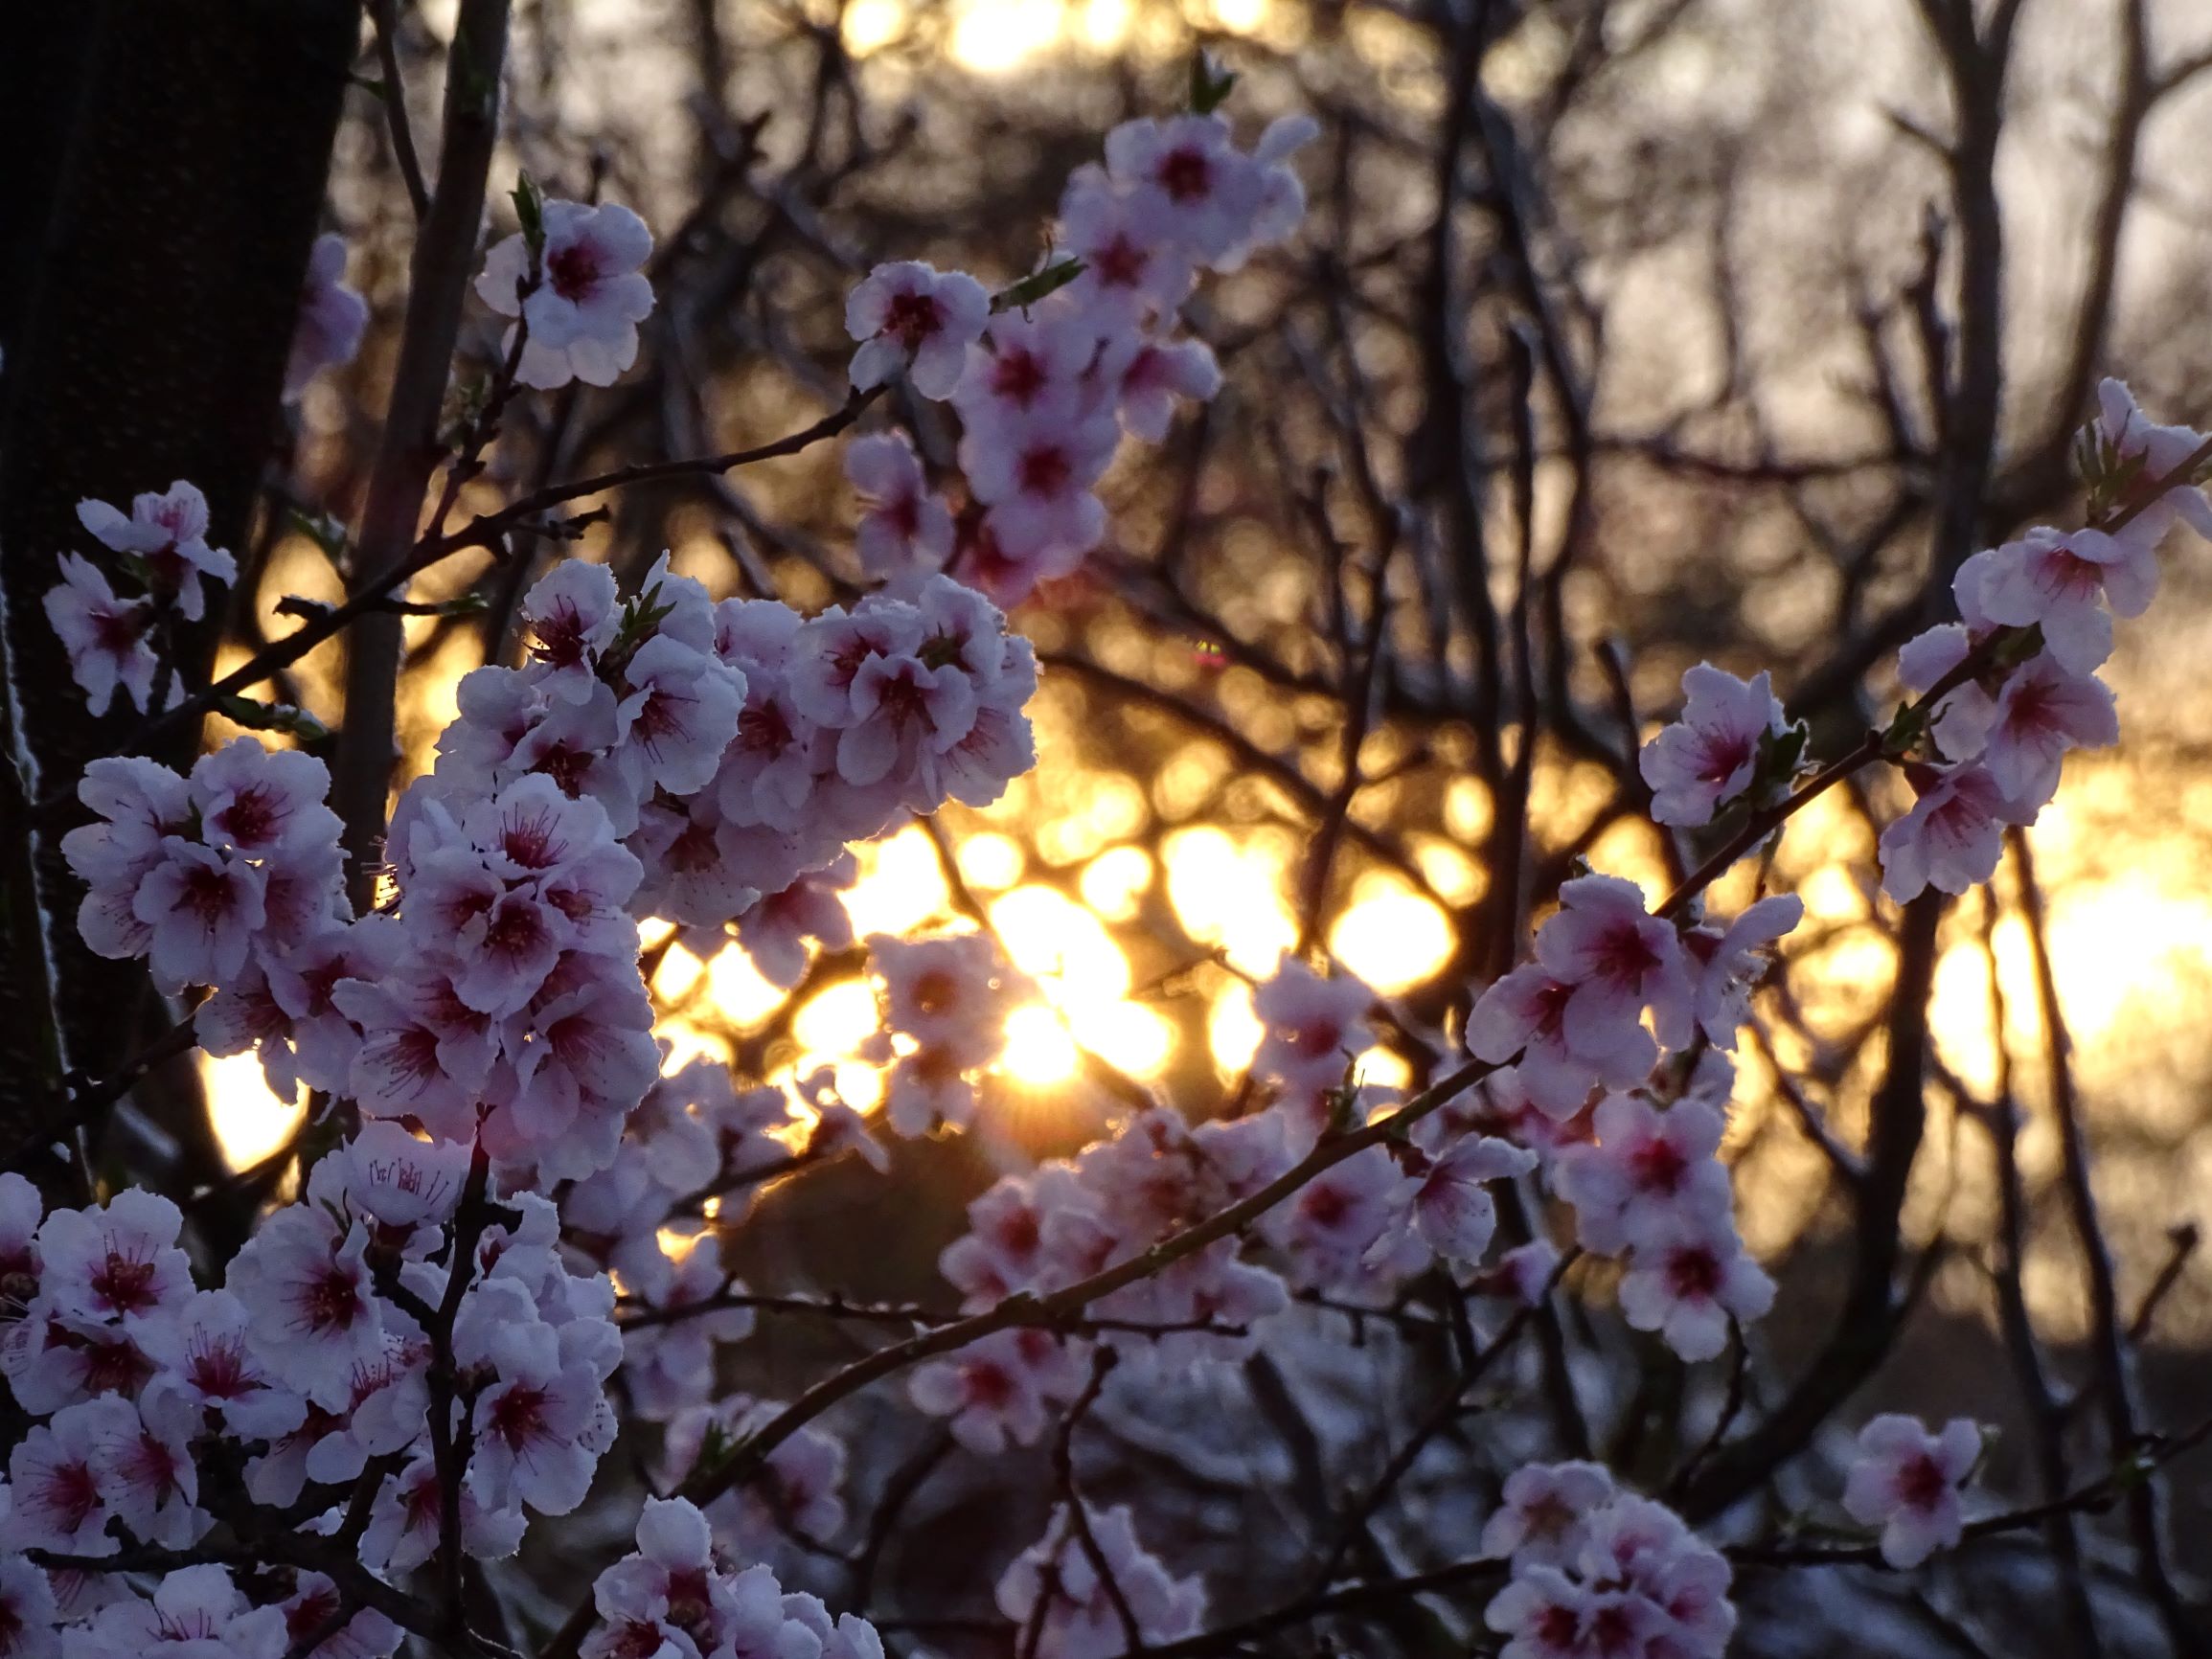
<point>677,714</point>
<point>143,1460</point>
<point>1035,477</point>
<point>1543,1516</point>
<point>106,637</point>
<point>591,296</point>
<point>117,1263</point>
<point>542,1424</point>
<point>60,1499</point>
<point>1647,1169</point>
<point>257,801</point>
<point>774,930</point>
<point>425,1053</point>
<point>1151,375</point>
<point>1081,1618</point>
<point>312,1315</point>
<point>1906,1481</point>
<point>1708,756</point>
<point>207,1361</point>
<point>405,1189</point>
<point>996,1390</point>
<point>195,1613</point>
<point>1131,268</point>
<point>1187,170</point>
<point>1033,365</point>
<point>1620,961</point>
<point>1961,724</point>
<point>27,1610</point>
<point>333,317</point>
<point>908,712</point>
<point>906,528</point>
<point>2064,579</point>
<point>1281,203</point>
<point>572,614</point>
<point>1447,1205</point>
<point>313,1604</point>
<point>2160,451</point>
<point>1544,1615</point>
<point>2041,711</point>
<point>910,317</point>
<point>202,911</point>
<point>1954,835</point>
<point>404,1522</point>
<point>1687,1277</point>
<point>1729,963</point>
<point>1313,1027</point>
<point>167,534</point>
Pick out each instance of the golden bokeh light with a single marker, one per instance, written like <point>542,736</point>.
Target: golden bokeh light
<point>1391,937</point>
<point>250,1120</point>
<point>1039,1048</point>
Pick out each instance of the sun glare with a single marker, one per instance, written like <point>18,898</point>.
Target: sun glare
<point>250,1122</point>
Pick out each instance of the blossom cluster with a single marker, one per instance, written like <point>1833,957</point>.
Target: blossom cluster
<point>676,1597</point>
<point>310,1371</point>
<point>1599,1570</point>
<point>1082,1604</point>
<point>1638,1166</point>
<point>736,748</point>
<point>2009,689</point>
<point>1365,1224</point>
<point>1047,384</point>
<point>112,640</point>
<point>229,876</point>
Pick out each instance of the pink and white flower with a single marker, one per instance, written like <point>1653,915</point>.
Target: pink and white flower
<point>906,527</point>
<point>1189,171</point>
<point>167,534</point>
<point>106,637</point>
<point>911,318</point>
<point>590,297</point>
<point>333,317</point>
<point>1688,1278</point>
<point>1907,1481</point>
<point>201,911</point>
<point>1709,756</point>
<point>2041,711</point>
<point>1952,837</point>
<point>2064,580</point>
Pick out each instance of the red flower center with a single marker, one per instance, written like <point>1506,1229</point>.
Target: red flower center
<point>1186,175</point>
<point>573,271</point>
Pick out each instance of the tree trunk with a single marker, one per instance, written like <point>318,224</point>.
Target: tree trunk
<point>168,165</point>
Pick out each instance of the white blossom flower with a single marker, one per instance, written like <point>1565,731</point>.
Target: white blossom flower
<point>167,533</point>
<point>1710,755</point>
<point>333,317</point>
<point>910,317</point>
<point>106,637</point>
<point>1906,1481</point>
<point>590,298</point>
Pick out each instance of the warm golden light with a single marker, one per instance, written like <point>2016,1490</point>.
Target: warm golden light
<point>1392,937</point>
<point>1039,1050</point>
<point>1116,881</point>
<point>901,885</point>
<point>250,1122</point>
<point>1231,896</point>
<point>994,37</point>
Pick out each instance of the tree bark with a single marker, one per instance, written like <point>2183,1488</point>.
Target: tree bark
<point>174,156</point>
